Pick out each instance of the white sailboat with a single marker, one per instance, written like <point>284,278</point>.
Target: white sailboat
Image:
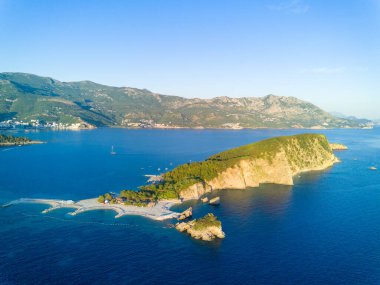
<point>113,152</point>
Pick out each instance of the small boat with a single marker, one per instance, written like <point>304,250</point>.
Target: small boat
<point>113,152</point>
<point>372,168</point>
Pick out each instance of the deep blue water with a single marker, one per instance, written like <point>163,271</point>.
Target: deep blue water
<point>323,230</point>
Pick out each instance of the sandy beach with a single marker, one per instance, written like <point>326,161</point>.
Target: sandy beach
<point>20,144</point>
<point>161,211</point>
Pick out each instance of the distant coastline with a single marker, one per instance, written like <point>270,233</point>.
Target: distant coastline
<point>86,104</point>
<point>9,126</point>
<point>240,128</point>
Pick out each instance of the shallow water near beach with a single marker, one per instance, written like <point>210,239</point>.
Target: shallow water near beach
<point>323,230</point>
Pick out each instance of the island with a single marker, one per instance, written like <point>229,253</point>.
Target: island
<point>275,160</point>
<point>11,140</point>
<point>206,228</point>
<point>338,146</point>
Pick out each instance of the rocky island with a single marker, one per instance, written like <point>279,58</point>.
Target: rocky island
<point>275,160</point>
<point>338,146</point>
<point>206,228</point>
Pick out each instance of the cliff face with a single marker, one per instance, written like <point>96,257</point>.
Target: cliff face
<point>287,158</point>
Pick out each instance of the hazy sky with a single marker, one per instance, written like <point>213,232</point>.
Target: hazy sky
<point>323,51</point>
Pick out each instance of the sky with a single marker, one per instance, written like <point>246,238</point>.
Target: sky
<point>323,51</point>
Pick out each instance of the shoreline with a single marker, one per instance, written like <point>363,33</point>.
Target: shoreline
<point>235,129</point>
<point>161,211</point>
<point>21,144</point>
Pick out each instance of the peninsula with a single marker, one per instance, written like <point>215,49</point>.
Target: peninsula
<point>275,160</point>
<point>11,140</point>
<point>160,211</point>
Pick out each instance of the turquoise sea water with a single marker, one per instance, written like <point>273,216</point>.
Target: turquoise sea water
<point>323,230</point>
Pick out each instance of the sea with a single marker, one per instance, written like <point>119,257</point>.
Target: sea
<point>323,230</point>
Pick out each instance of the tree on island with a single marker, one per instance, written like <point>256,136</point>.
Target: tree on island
<point>101,199</point>
<point>108,196</point>
<point>4,139</point>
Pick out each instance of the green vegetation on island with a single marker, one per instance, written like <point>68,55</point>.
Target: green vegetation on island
<point>207,221</point>
<point>129,197</point>
<point>140,198</point>
<point>207,228</point>
<point>101,199</point>
<point>11,140</point>
<point>188,174</point>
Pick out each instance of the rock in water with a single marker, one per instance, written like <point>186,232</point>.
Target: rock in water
<point>186,214</point>
<point>214,201</point>
<point>182,226</point>
<point>204,200</point>
<point>338,146</point>
<point>207,228</point>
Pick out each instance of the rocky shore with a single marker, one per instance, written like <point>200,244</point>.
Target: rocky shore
<point>186,214</point>
<point>338,146</point>
<point>20,144</point>
<point>274,161</point>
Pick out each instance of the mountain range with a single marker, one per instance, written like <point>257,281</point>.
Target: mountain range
<point>29,97</point>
